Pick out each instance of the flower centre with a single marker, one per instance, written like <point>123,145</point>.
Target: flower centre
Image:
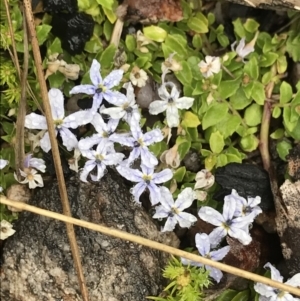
<point>174,211</point>
<point>30,177</point>
<point>101,88</point>
<point>147,178</point>
<point>227,224</point>
<point>99,158</point>
<point>58,123</point>
<point>4,230</point>
<point>137,75</point>
<point>170,100</point>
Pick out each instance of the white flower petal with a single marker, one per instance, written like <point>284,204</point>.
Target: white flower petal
<point>210,215</point>
<point>170,224</point>
<point>56,100</point>
<point>3,163</point>
<point>35,121</point>
<point>172,116</point>
<point>163,176</point>
<point>185,220</point>
<point>132,175</point>
<point>166,198</point>
<point>45,143</point>
<point>202,243</point>
<point>157,107</point>
<point>214,273</point>
<point>69,140</point>
<point>185,199</point>
<point>95,75</point>
<point>184,102</point>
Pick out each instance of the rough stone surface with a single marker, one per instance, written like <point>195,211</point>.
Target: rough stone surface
<point>37,263</point>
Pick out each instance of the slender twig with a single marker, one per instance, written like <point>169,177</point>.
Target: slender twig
<point>19,147</point>
<point>264,136</point>
<point>116,35</point>
<point>151,244</point>
<point>13,42</point>
<point>54,146</point>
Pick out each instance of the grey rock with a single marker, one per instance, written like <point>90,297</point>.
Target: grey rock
<point>37,262</point>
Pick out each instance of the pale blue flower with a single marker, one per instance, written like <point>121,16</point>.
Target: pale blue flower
<point>139,143</point>
<point>145,179</point>
<point>36,163</point>
<point>61,123</point>
<point>244,207</point>
<point>3,163</point>
<point>100,88</point>
<point>203,244</point>
<point>170,102</point>
<point>125,107</point>
<point>104,131</point>
<point>100,158</point>
<point>173,210</point>
<point>268,293</point>
<point>237,227</point>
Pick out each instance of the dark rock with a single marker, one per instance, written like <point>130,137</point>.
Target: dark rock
<point>294,162</point>
<point>60,6</point>
<point>38,265</point>
<point>248,180</point>
<point>192,161</point>
<point>74,30</point>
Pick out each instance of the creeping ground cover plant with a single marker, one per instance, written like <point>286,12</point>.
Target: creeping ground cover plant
<point>212,98</point>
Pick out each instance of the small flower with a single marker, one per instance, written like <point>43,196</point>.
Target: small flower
<point>31,177</point>
<point>35,163</point>
<point>6,230</point>
<point>171,157</point>
<point>145,179</point>
<point>210,66</point>
<point>244,49</point>
<point>204,179</point>
<point>61,123</point>
<point>171,64</point>
<point>203,245</point>
<point>226,223</point>
<point>138,77</point>
<point>139,143</point>
<point>126,108</point>
<point>142,41</point>
<point>100,158</point>
<point>73,162</point>
<point>3,163</point>
<point>268,293</point>
<point>243,207</point>
<point>173,210</point>
<point>100,88</point>
<point>104,131</point>
<point>201,195</point>
<point>170,102</point>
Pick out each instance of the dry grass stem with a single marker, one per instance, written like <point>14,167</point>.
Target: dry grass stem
<point>54,146</point>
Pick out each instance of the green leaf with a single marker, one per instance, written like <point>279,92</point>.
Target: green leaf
<point>258,93</point>
<point>198,24</point>
<point>214,114</point>
<point>56,80</point>
<point>228,88</point>
<point>197,41</point>
<point>283,148</point>
<point>239,100</point>
<point>239,28</point>
<point>278,134</point>
<point>287,120</point>
<point>251,25</point>
<point>183,149</point>
<point>106,3</point>
<point>190,120</point>
<point>281,64</point>
<point>228,295</point>
<point>110,15</point>
<point>268,59</point>
<point>293,45</point>
<point>155,33</point>
<point>94,45</point>
<point>177,44</point>
<point>179,174</point>
<point>185,75</point>
<point>55,47</point>
<point>42,32</point>
<point>216,142</point>
<point>276,112</point>
<point>242,296</point>
<point>286,92</point>
<point>228,125</point>
<point>253,115</point>
<point>107,57</point>
<point>251,68</point>
<point>249,143</point>
<point>210,162</point>
<point>107,29</point>
<point>223,40</point>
